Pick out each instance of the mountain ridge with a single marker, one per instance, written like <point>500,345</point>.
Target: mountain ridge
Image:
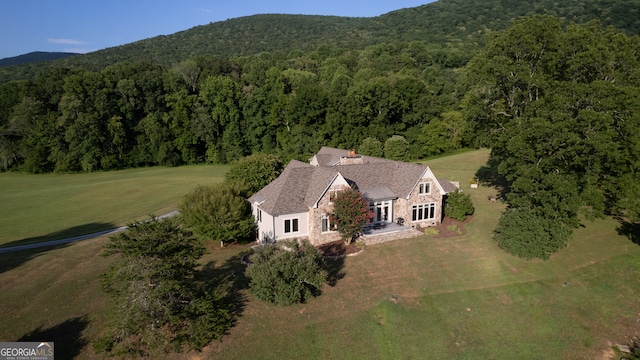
<point>446,23</point>
<point>35,56</point>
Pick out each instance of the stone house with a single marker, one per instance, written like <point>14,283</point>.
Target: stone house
<point>298,204</point>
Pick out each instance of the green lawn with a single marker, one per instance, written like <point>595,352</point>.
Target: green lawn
<point>420,298</point>
<point>35,208</point>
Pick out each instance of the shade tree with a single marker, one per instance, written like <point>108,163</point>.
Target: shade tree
<point>560,118</point>
<point>350,213</point>
<point>218,212</point>
<point>256,171</point>
<point>157,304</point>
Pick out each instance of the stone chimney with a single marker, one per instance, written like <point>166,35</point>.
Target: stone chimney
<point>352,158</point>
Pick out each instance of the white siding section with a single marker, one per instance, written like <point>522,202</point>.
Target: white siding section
<point>303,226</point>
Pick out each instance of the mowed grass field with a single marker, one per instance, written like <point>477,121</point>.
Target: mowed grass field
<point>421,298</point>
<point>36,208</point>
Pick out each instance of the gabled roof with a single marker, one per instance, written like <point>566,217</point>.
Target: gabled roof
<point>301,185</point>
<point>296,189</point>
<point>398,177</point>
<point>328,156</point>
<point>448,186</point>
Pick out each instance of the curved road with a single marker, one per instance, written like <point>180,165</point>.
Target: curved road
<point>75,238</point>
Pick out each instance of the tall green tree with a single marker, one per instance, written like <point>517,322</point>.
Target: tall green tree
<point>444,133</point>
<point>157,304</point>
<point>218,212</point>
<point>396,148</point>
<point>256,171</point>
<point>559,108</point>
<point>371,147</point>
<point>222,97</point>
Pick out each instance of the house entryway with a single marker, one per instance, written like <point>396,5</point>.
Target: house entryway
<point>382,211</point>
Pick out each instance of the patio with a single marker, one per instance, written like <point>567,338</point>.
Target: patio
<point>383,232</point>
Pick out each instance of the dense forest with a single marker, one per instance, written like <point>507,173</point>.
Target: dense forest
<point>558,102</point>
<point>36,56</point>
<point>458,26</point>
<point>208,109</point>
<point>194,100</point>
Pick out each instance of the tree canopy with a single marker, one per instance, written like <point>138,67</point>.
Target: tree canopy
<point>218,212</point>
<point>559,108</point>
<point>350,213</point>
<point>157,304</point>
<point>256,171</point>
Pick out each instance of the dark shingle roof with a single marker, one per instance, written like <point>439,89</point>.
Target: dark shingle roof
<point>399,177</point>
<point>300,185</point>
<point>447,185</point>
<point>296,189</point>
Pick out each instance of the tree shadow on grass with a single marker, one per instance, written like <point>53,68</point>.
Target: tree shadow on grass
<point>228,280</point>
<point>334,267</point>
<point>13,259</point>
<point>67,337</point>
<point>488,175</point>
<point>630,230</point>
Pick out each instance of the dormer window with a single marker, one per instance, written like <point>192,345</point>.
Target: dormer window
<point>424,188</point>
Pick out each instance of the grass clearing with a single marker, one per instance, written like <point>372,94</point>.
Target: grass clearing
<point>427,297</point>
<point>36,208</point>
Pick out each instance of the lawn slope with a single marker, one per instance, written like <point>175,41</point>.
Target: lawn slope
<point>427,297</point>
<point>36,208</point>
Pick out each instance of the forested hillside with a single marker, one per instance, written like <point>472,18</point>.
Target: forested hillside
<point>217,109</point>
<point>36,56</point>
<point>457,25</point>
<point>214,110</point>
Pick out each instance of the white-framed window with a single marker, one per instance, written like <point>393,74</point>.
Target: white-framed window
<point>422,212</point>
<point>291,226</point>
<point>259,215</point>
<point>424,188</point>
<point>325,223</point>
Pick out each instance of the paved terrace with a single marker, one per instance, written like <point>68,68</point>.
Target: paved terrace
<point>390,232</point>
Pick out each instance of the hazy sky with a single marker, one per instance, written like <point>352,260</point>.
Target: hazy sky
<point>89,25</point>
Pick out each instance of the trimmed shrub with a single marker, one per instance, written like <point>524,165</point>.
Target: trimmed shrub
<point>458,205</point>
<point>286,275</point>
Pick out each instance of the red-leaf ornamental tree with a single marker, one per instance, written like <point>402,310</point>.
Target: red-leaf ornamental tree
<point>351,213</point>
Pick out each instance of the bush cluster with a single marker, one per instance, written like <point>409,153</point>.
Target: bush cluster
<point>524,233</point>
<point>288,274</point>
<point>458,205</point>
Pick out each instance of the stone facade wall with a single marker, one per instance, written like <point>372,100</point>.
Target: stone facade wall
<point>316,236</point>
<point>403,207</point>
